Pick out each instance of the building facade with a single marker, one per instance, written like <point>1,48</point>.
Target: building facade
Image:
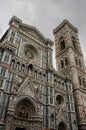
<point>33,95</point>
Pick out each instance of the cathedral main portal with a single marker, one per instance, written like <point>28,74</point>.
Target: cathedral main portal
<point>25,116</point>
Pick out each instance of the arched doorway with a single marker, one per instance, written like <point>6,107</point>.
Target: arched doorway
<point>25,109</point>
<point>25,113</point>
<point>25,116</point>
<point>62,126</point>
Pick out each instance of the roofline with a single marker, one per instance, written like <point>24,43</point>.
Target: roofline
<point>33,28</point>
<point>21,24</point>
<point>14,18</point>
<point>64,23</point>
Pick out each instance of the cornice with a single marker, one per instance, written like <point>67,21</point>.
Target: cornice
<point>14,18</point>
<point>65,22</point>
<point>66,50</point>
<point>27,26</point>
<point>7,46</point>
<point>83,90</point>
<point>21,25</point>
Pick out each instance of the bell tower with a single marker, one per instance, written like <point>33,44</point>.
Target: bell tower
<point>70,62</point>
<point>69,57</point>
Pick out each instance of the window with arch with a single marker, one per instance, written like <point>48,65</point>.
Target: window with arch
<point>62,64</point>
<point>75,123</point>
<point>83,80</point>
<point>62,43</point>
<point>1,82</point>
<point>36,74</point>
<point>80,81</point>
<point>59,82</point>
<point>7,57</point>
<point>66,61</point>
<point>76,60</point>
<point>18,65</point>
<point>80,63</point>
<point>23,67</point>
<point>44,77</point>
<point>2,71</point>
<point>30,69</point>
<point>1,53</point>
<point>40,75</point>
<point>13,63</point>
<point>74,42</point>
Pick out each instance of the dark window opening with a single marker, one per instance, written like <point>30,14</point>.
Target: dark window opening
<point>18,128</point>
<point>80,82</point>
<point>74,44</point>
<point>13,63</point>
<point>75,123</point>
<point>62,44</point>
<point>18,65</point>
<point>62,64</point>
<point>76,61</point>
<point>23,67</point>
<point>36,74</point>
<point>83,82</point>
<point>30,68</point>
<point>66,61</point>
<point>80,63</point>
<point>1,53</point>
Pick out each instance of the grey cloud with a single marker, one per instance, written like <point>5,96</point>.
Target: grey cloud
<point>45,14</point>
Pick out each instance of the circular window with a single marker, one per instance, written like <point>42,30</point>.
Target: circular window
<point>59,100</point>
<point>31,52</point>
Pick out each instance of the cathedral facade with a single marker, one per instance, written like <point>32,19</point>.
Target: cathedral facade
<point>33,95</point>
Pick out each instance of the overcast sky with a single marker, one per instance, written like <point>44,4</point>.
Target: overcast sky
<point>46,15</point>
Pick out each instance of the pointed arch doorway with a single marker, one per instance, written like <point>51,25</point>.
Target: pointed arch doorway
<point>25,112</point>
<point>62,126</point>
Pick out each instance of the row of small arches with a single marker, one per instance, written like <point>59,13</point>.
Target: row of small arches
<point>62,43</point>
<point>28,69</point>
<point>18,65</point>
<point>59,82</point>
<point>64,62</point>
<point>36,72</point>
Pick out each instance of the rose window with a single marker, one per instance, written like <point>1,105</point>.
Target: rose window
<point>31,53</point>
<point>59,100</point>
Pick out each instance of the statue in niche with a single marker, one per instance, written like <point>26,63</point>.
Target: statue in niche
<point>22,112</point>
<point>81,111</point>
<point>40,109</point>
<point>37,92</point>
<point>11,101</point>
